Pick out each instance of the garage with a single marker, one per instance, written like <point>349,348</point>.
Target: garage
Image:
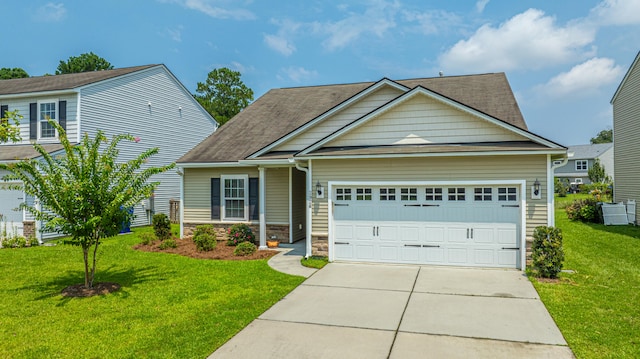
<point>456,224</point>
<point>10,219</point>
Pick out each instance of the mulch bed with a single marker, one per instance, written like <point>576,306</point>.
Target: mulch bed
<point>187,248</point>
<point>79,290</point>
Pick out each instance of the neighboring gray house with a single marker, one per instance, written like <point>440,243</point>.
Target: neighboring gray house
<point>576,171</point>
<point>626,135</point>
<point>145,101</point>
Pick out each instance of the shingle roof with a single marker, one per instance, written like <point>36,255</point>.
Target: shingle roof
<point>62,82</point>
<point>280,111</point>
<point>24,152</point>
<point>584,152</point>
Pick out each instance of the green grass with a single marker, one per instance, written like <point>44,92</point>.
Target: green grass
<point>597,308</point>
<point>169,306</point>
<point>315,262</point>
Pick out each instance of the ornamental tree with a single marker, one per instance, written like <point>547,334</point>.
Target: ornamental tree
<point>84,192</point>
<point>9,126</point>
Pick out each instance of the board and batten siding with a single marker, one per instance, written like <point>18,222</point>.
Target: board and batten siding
<point>626,134</point>
<point>471,168</point>
<point>422,119</point>
<point>152,105</point>
<point>340,119</point>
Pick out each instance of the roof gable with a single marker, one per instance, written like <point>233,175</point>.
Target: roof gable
<point>632,68</point>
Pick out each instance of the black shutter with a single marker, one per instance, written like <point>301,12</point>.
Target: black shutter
<point>254,208</point>
<point>62,114</point>
<point>33,121</point>
<point>3,110</point>
<point>215,198</point>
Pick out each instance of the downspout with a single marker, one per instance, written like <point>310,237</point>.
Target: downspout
<point>309,206</point>
<point>180,173</point>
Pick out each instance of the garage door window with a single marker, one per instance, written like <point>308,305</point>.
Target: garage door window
<point>434,194</point>
<point>343,194</point>
<point>387,194</point>
<point>408,194</point>
<point>482,194</point>
<point>363,194</point>
<point>456,194</point>
<point>507,194</point>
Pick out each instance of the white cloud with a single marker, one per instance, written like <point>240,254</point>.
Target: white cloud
<point>50,12</point>
<point>431,22</point>
<point>281,42</point>
<point>583,79</point>
<point>299,74</point>
<point>617,12</point>
<point>529,40</point>
<point>216,9</point>
<point>480,5</point>
<point>175,34</point>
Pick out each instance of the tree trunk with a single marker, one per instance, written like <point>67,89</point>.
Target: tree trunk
<point>85,252</point>
<point>93,267</point>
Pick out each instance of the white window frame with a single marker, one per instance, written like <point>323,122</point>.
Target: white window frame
<point>584,165</point>
<point>40,120</point>
<point>223,198</point>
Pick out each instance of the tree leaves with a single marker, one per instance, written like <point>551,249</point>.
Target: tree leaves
<point>223,94</point>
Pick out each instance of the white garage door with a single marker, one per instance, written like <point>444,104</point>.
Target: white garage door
<point>445,225</point>
<point>10,220</point>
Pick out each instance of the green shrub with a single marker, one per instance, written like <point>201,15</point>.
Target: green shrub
<point>239,233</point>
<point>244,249</point>
<point>583,210</point>
<point>32,242</point>
<point>14,242</point>
<point>146,238</point>
<point>168,243</point>
<point>561,186</point>
<point>204,237</point>
<point>162,226</point>
<point>548,253</point>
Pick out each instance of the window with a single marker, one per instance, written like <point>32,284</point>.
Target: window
<point>408,194</point>
<point>387,194</point>
<point>582,165</point>
<point>363,194</point>
<point>507,194</point>
<point>234,197</point>
<point>47,110</point>
<point>343,194</point>
<point>482,194</point>
<point>456,194</point>
<point>434,194</point>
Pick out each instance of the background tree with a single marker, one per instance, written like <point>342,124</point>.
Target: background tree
<point>84,192</point>
<point>223,94</point>
<point>597,173</point>
<point>9,126</point>
<point>83,63</point>
<point>14,73</point>
<point>604,136</point>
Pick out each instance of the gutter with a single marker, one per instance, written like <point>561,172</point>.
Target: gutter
<point>309,205</point>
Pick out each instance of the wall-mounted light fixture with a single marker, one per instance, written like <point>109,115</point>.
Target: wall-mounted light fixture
<point>535,190</point>
<point>319,190</point>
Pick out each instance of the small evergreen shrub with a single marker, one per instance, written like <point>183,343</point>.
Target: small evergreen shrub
<point>146,238</point>
<point>244,249</point>
<point>204,237</point>
<point>583,210</point>
<point>548,253</point>
<point>239,233</point>
<point>32,242</point>
<point>168,243</point>
<point>161,226</point>
<point>14,242</point>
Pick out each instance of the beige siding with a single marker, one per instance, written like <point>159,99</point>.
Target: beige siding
<point>420,120</point>
<point>277,195</point>
<point>626,134</point>
<point>339,120</point>
<point>197,190</point>
<point>298,212</point>
<point>470,168</point>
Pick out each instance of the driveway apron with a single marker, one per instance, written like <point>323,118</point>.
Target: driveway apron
<point>351,310</point>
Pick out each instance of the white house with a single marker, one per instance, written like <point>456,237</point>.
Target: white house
<point>145,101</point>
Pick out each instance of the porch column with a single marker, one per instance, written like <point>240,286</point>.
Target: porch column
<point>261,200</point>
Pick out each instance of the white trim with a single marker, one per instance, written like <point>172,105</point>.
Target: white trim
<point>575,166</point>
<point>261,205</point>
<point>636,60</point>
<point>39,94</point>
<point>373,87</point>
<point>258,162</point>
<point>550,192</point>
<point>56,135</point>
<point>309,209</point>
<point>290,204</point>
<point>181,174</point>
<point>439,154</point>
<point>79,117</point>
<point>520,183</point>
<point>421,90</point>
<point>211,164</point>
<point>223,209</point>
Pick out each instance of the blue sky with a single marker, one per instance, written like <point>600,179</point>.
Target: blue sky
<point>564,59</point>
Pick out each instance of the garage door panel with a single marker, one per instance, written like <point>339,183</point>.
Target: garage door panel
<point>364,251</point>
<point>483,235</point>
<point>434,234</point>
<point>435,255</point>
<point>457,256</point>
<point>483,256</point>
<point>507,258</point>
<point>344,251</point>
<point>507,235</point>
<point>457,234</point>
<point>389,253</point>
<point>410,254</point>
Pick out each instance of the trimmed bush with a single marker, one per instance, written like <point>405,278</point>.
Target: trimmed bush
<point>204,237</point>
<point>548,253</point>
<point>146,238</point>
<point>169,243</point>
<point>239,233</point>
<point>583,210</point>
<point>244,249</point>
<point>161,226</point>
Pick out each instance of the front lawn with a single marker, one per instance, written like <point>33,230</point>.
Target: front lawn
<point>597,308</point>
<point>169,306</point>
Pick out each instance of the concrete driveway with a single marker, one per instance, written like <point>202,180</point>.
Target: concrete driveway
<point>389,311</point>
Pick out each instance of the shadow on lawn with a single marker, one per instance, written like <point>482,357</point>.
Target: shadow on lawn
<point>627,230</point>
<point>126,277</point>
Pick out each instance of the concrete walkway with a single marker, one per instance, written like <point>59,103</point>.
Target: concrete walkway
<point>390,311</point>
<point>288,260</point>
